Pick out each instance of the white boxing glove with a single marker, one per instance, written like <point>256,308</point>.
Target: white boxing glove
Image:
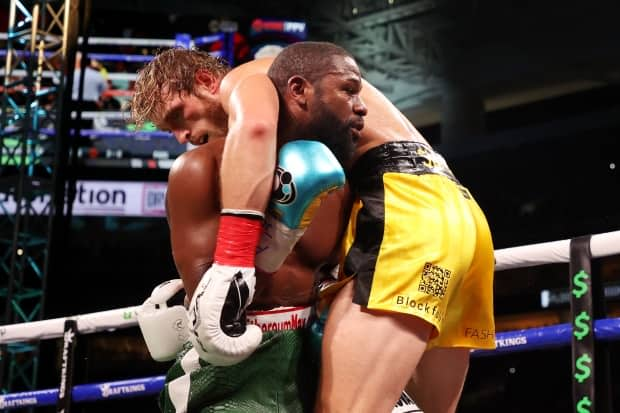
<point>165,329</point>
<point>217,315</point>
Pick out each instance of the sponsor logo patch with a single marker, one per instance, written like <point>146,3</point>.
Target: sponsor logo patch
<point>434,280</point>
<point>284,191</point>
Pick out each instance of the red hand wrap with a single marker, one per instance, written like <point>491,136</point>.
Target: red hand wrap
<point>237,239</point>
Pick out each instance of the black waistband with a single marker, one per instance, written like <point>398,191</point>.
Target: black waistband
<point>401,156</point>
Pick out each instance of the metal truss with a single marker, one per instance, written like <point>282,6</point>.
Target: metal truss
<point>393,44</point>
<point>38,35</point>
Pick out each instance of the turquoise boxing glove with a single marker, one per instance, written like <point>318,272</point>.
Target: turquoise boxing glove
<point>307,171</point>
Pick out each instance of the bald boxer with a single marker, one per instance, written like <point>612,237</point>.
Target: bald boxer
<point>417,264</point>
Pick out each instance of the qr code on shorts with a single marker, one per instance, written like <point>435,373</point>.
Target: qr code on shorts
<point>434,280</point>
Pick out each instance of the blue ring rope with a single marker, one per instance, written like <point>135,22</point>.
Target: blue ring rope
<point>547,337</point>
<point>507,342</point>
<point>109,57</point>
<point>86,393</point>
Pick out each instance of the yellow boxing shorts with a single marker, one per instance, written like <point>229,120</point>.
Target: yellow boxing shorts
<point>418,243</point>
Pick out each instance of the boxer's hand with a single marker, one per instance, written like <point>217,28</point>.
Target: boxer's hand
<point>307,171</point>
<point>217,315</point>
<point>164,328</point>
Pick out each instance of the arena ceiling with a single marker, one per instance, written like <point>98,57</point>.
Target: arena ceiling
<point>500,51</point>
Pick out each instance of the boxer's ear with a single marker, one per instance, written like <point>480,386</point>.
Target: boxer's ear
<point>206,79</point>
<point>298,88</point>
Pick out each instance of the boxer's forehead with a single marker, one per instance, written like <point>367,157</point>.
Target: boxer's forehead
<point>344,66</point>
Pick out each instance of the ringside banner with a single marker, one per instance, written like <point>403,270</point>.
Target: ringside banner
<point>104,198</point>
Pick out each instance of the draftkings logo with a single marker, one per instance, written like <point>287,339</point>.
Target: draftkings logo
<point>25,399</point>
<point>107,390</point>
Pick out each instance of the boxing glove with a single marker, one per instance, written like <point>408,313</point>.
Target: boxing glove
<point>306,172</point>
<point>217,311</point>
<point>405,404</point>
<point>164,328</point>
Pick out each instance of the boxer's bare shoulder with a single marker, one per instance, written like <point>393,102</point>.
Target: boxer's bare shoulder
<point>384,122</point>
<point>236,75</point>
<point>197,159</point>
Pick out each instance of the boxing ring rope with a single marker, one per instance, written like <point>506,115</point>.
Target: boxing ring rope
<point>600,245</point>
<point>157,149</point>
<point>182,40</point>
<point>48,74</point>
<point>112,57</point>
<point>119,41</point>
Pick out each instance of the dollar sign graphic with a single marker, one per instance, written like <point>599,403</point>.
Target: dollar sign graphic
<point>584,370</point>
<point>584,403</point>
<point>581,322</point>
<point>579,283</point>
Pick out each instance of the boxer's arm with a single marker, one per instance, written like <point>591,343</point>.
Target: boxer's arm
<point>324,235</point>
<point>193,212</point>
<point>249,157</point>
<point>216,311</point>
<point>193,215</point>
<point>218,328</point>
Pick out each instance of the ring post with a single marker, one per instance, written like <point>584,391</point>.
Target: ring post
<point>66,371</point>
<point>582,316</point>
<point>603,376</point>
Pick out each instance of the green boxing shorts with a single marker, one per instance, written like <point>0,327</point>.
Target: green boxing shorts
<point>280,376</point>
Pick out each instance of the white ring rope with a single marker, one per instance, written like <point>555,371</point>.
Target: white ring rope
<point>53,328</point>
<point>48,74</point>
<point>111,41</point>
<point>117,41</point>
<point>112,115</point>
<point>126,41</point>
<point>601,245</point>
